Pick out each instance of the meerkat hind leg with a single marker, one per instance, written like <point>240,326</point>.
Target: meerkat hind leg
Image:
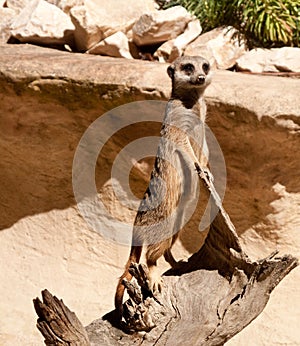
<point>169,258</point>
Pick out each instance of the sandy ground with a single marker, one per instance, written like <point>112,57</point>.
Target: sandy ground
<point>58,252</point>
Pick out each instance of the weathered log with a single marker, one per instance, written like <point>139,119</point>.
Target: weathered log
<point>205,301</point>
<point>57,323</point>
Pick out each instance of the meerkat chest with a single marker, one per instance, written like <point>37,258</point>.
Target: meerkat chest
<point>186,125</point>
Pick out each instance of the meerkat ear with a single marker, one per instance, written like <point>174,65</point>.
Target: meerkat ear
<point>171,70</point>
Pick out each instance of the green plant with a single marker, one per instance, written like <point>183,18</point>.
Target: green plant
<point>264,23</point>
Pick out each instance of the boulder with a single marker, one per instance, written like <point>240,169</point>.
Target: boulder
<point>87,33</point>
<point>7,16</point>
<point>172,49</point>
<point>160,26</point>
<point>163,52</point>
<point>98,19</point>
<point>115,45</point>
<point>17,5</point>
<point>43,23</point>
<point>220,46</point>
<point>258,60</point>
<point>192,31</point>
<point>65,5</point>
<point>286,59</point>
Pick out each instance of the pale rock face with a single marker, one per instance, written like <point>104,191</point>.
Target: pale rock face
<point>65,5</point>
<point>7,15</point>
<point>219,47</point>
<point>43,23</point>
<point>17,5</point>
<point>115,45</point>
<point>98,19</point>
<point>286,59</point>
<point>87,33</point>
<point>172,49</point>
<point>192,31</point>
<point>164,51</point>
<point>257,61</point>
<point>160,26</point>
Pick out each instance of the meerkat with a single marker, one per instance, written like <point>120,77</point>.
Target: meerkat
<point>171,190</point>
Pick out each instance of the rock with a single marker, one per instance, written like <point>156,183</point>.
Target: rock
<point>7,16</point>
<point>163,52</point>
<point>17,5</point>
<point>134,50</point>
<point>257,60</point>
<point>94,21</point>
<point>219,46</point>
<point>286,59</point>
<point>192,31</point>
<point>115,45</point>
<point>160,26</point>
<point>87,33</point>
<point>200,45</point>
<point>66,5</point>
<point>48,98</point>
<point>42,23</point>
<point>172,49</point>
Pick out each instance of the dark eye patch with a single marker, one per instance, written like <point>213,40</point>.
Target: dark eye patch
<point>205,67</point>
<point>189,68</point>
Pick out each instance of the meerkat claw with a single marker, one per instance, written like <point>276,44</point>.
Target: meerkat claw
<point>156,283</point>
<point>156,287</point>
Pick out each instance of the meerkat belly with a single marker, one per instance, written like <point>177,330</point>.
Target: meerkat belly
<point>168,201</point>
<point>162,194</point>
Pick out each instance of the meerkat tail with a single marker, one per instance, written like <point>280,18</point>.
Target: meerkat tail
<point>134,257</point>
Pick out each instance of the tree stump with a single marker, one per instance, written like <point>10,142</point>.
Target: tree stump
<point>205,301</point>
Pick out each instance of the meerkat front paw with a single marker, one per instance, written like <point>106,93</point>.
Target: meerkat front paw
<point>155,281</point>
<point>156,284</point>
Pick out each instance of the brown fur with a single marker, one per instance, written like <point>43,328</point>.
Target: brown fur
<point>190,76</point>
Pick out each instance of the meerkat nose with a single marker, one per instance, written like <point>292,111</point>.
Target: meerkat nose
<point>201,79</point>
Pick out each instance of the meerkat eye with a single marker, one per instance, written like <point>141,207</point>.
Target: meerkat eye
<point>189,68</point>
<point>205,67</point>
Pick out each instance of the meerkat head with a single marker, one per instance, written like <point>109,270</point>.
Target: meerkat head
<point>190,72</point>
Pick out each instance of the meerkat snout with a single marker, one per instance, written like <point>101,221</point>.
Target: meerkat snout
<point>201,79</point>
